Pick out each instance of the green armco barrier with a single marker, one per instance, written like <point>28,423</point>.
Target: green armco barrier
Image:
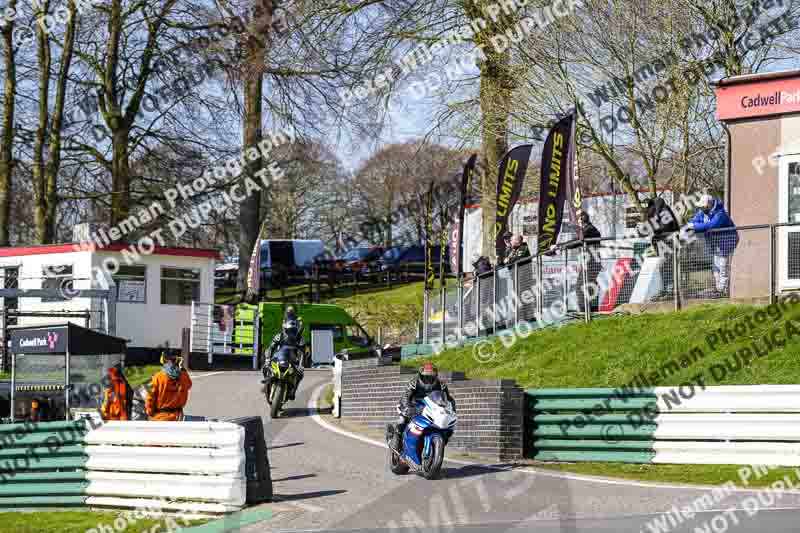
<point>614,432</point>
<point>36,427</point>
<point>582,456</point>
<point>573,420</point>
<point>47,477</point>
<point>51,462</point>
<point>41,439</point>
<point>44,501</point>
<point>591,404</point>
<point>39,451</point>
<point>410,351</point>
<point>599,445</point>
<point>590,424</point>
<point>16,490</point>
<point>43,464</point>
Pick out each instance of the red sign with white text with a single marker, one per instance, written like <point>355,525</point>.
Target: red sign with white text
<point>758,99</point>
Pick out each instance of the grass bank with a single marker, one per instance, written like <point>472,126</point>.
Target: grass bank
<point>610,352</point>
<point>396,310</point>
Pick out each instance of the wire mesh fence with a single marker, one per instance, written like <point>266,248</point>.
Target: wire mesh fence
<point>749,263</point>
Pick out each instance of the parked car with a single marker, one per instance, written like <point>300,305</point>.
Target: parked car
<point>225,275</point>
<point>410,259</point>
<point>359,260</point>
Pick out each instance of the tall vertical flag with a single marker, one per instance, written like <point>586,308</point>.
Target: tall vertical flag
<point>466,187</point>
<point>442,246</point>
<point>254,272</point>
<point>509,186</point>
<point>557,177</point>
<point>574,198</point>
<point>430,273</point>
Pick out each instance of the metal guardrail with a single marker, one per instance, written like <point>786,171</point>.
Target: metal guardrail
<point>757,424</point>
<point>611,272</point>
<point>225,331</point>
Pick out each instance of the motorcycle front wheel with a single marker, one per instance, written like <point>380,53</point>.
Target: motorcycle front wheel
<point>277,399</point>
<point>432,464</point>
<point>396,465</point>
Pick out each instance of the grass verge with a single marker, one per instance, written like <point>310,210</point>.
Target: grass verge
<point>80,522</point>
<point>689,474</point>
<point>325,399</point>
<point>139,375</point>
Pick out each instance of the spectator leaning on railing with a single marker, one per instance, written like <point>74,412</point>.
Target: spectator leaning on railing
<point>593,264</point>
<point>664,225</point>
<point>519,250</point>
<point>719,244</point>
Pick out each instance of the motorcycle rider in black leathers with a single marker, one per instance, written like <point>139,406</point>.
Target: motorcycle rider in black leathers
<point>290,336</point>
<point>421,385</point>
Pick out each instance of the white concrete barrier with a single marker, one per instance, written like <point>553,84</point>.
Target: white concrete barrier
<point>729,399</point>
<point>198,466</point>
<point>727,453</point>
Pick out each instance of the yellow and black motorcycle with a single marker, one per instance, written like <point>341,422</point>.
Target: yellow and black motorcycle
<point>280,378</point>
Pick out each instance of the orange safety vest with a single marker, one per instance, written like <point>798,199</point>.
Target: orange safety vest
<point>115,406</point>
<point>167,397</point>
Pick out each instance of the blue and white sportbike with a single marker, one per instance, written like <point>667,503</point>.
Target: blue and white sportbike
<point>424,438</point>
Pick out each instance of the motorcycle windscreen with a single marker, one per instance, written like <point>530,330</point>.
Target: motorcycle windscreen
<point>282,358</point>
<point>438,398</point>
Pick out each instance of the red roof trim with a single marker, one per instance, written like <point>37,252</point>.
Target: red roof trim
<point>16,251</point>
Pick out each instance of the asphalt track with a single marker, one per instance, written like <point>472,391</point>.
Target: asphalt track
<point>328,481</point>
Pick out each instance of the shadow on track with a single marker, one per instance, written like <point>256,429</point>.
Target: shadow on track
<point>307,495</point>
<point>294,478</point>
<point>289,445</point>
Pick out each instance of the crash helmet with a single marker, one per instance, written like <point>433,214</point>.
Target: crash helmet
<point>291,329</point>
<point>290,313</point>
<point>428,374</point>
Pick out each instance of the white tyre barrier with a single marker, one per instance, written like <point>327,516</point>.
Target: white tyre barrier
<point>198,466</point>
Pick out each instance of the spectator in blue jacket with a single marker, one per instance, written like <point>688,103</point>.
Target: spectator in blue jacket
<point>719,244</point>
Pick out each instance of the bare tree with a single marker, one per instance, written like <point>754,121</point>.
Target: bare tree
<point>9,100</point>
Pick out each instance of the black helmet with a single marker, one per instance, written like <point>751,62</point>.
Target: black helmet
<point>428,373</point>
<point>291,329</point>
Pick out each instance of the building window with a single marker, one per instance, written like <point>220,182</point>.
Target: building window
<point>58,277</point>
<point>131,281</point>
<point>632,217</point>
<point>794,193</point>
<point>179,286</point>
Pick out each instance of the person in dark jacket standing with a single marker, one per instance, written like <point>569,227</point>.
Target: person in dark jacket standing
<point>663,225</point>
<point>720,244</point>
<point>519,250</point>
<point>593,264</point>
<point>482,265</point>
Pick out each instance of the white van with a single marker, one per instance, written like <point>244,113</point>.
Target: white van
<point>290,256</point>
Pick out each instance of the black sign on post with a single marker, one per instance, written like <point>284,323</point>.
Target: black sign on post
<point>51,340</point>
<point>62,338</point>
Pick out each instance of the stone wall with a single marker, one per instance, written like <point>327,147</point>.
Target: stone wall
<point>490,412</point>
